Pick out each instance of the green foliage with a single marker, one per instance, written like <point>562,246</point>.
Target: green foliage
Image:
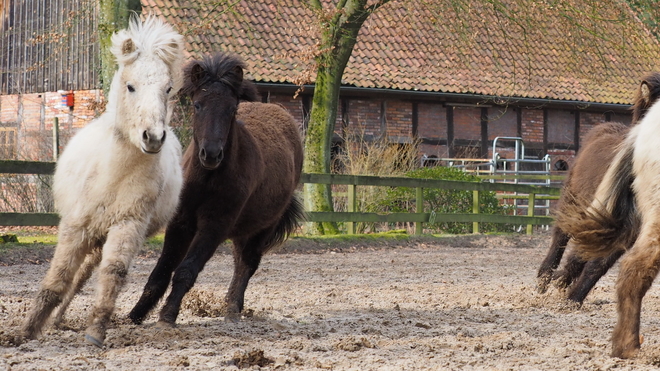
<point>444,201</point>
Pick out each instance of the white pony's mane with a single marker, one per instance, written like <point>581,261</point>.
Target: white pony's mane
<point>151,37</point>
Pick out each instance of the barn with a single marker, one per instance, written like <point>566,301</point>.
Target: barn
<point>450,78</point>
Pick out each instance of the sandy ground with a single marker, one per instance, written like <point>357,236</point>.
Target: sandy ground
<point>464,303</point>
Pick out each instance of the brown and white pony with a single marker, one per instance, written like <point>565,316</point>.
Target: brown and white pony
<point>596,155</point>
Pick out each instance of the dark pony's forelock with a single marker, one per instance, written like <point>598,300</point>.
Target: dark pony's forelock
<point>217,66</point>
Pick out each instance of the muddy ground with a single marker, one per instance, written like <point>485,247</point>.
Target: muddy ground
<point>464,303</point>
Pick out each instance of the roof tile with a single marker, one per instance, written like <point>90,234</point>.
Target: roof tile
<point>410,47</point>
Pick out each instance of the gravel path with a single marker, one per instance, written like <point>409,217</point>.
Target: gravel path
<point>464,303</point>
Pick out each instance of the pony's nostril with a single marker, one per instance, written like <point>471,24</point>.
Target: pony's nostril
<point>202,154</point>
<point>221,155</point>
<point>162,140</point>
<point>145,136</point>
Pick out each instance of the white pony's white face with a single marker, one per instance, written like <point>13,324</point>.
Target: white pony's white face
<point>147,88</point>
<point>147,78</point>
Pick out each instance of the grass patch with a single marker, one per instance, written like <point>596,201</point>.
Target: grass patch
<point>44,239</point>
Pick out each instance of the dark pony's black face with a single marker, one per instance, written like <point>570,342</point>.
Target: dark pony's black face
<point>215,101</point>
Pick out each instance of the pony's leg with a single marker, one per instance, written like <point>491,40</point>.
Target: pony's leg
<point>177,240</point>
<point>118,251</point>
<point>202,248</point>
<point>552,259</point>
<point>593,271</point>
<point>638,270</point>
<point>247,257</point>
<point>86,269</point>
<point>570,272</point>
<point>69,254</point>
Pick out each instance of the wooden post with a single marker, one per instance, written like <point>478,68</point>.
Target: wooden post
<point>351,207</point>
<point>475,210</point>
<point>419,208</point>
<point>56,138</point>
<point>530,210</point>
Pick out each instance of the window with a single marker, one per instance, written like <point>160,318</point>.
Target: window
<point>7,143</point>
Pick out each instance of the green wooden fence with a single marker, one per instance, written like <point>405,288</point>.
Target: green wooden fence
<point>353,215</point>
<point>28,219</point>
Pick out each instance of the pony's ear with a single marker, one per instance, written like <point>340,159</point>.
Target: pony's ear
<point>124,48</point>
<point>234,78</point>
<point>127,47</point>
<point>197,73</point>
<point>645,92</point>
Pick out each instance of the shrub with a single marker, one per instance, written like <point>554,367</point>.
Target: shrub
<point>446,201</point>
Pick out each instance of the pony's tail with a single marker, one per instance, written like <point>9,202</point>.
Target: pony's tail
<point>609,222</point>
<point>288,223</point>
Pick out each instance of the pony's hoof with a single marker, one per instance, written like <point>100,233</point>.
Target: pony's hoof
<point>163,325</point>
<point>233,317</point>
<point>94,341</point>
<point>136,319</point>
<point>542,284</point>
<point>19,340</point>
<point>95,334</point>
<point>625,352</point>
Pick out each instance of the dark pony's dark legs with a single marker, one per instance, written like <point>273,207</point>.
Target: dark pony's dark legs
<point>552,260</point>
<point>592,272</point>
<point>247,257</point>
<point>202,248</point>
<point>177,239</point>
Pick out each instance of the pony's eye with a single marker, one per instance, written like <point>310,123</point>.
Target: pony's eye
<point>130,88</point>
<point>169,90</point>
<point>197,106</point>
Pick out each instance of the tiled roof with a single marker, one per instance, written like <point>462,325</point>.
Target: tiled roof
<point>416,45</point>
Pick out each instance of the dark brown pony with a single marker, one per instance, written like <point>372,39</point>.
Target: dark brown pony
<point>240,174</point>
<point>581,275</point>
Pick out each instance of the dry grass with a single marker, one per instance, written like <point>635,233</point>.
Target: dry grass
<point>377,158</point>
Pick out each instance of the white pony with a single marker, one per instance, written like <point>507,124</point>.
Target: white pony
<point>119,178</point>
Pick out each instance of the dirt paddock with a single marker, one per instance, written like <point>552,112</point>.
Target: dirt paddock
<point>465,303</point>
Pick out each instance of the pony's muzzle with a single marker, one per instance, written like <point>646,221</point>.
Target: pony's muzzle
<point>211,159</point>
<point>152,143</point>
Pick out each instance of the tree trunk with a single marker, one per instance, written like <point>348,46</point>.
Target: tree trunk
<point>339,35</point>
<point>113,16</point>
<point>318,143</point>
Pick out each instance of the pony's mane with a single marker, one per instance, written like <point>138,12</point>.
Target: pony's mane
<point>216,67</point>
<point>151,37</point>
<point>647,93</point>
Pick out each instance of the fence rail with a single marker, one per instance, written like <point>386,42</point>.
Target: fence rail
<point>420,217</point>
<point>353,215</point>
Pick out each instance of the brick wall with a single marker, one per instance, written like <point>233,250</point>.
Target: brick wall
<point>565,155</point>
<point>532,125</point>
<point>502,122</point>
<point>33,115</point>
<point>399,121</point>
<point>9,109</point>
<point>561,126</point>
<point>431,121</point>
<point>364,118</point>
<point>294,106</point>
<point>467,123</point>
<point>588,120</point>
